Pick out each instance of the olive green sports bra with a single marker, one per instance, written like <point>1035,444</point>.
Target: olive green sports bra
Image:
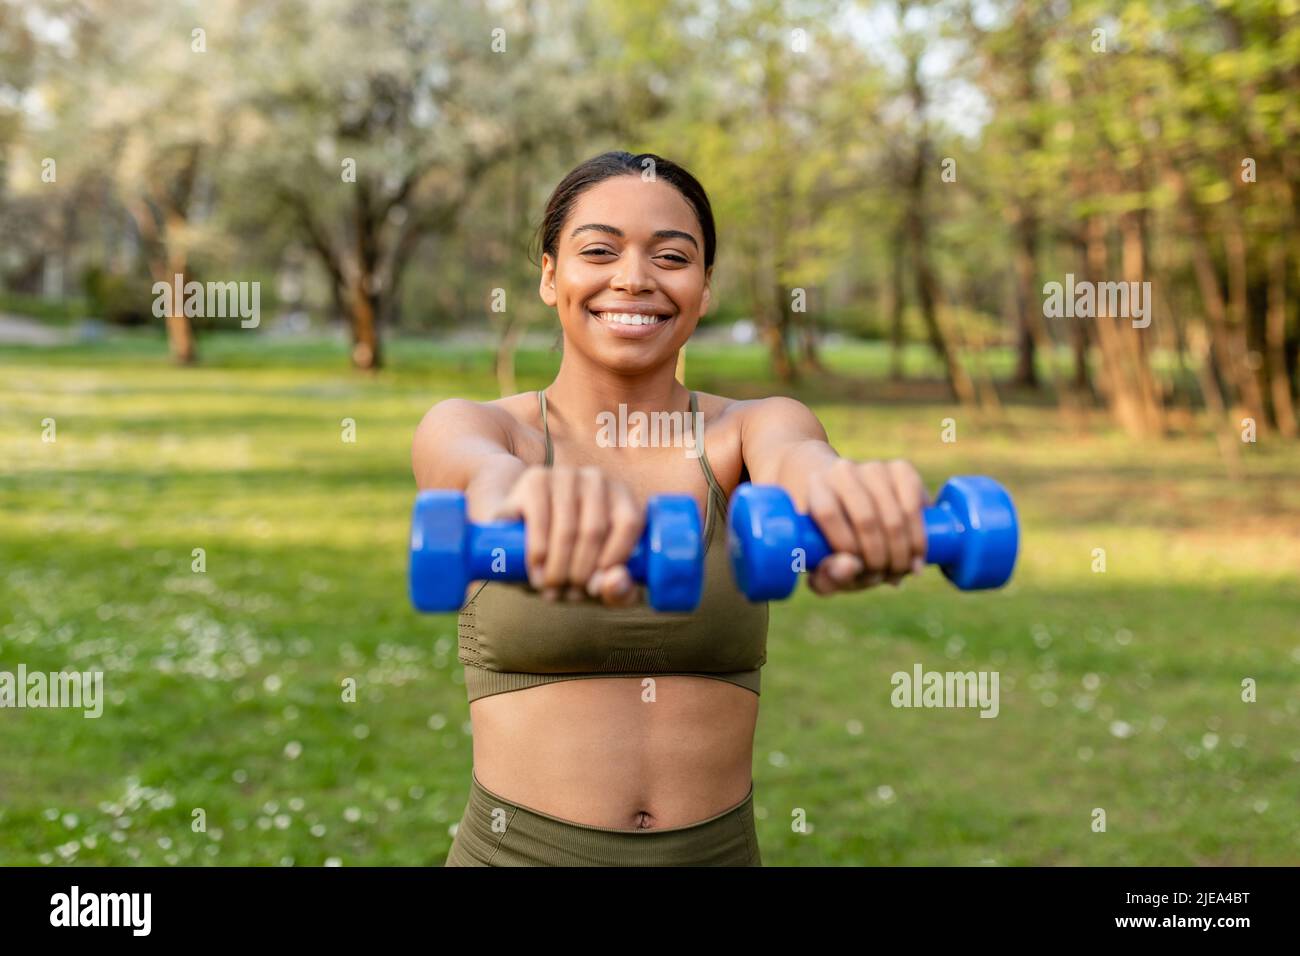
<point>511,638</point>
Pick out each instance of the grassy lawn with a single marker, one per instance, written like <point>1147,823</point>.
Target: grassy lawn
<point>1119,690</point>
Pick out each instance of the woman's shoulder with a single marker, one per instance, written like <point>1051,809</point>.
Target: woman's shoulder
<point>723,412</point>
<point>514,420</point>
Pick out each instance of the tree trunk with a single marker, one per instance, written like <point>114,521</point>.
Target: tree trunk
<point>1229,359</point>
<point>1082,382</point>
<point>166,261</point>
<point>1027,300</point>
<point>896,302</point>
<point>809,354</point>
<point>180,339</point>
<point>927,295</point>
<point>1124,402</point>
<point>505,361</point>
<point>180,330</point>
<point>1249,369</point>
<point>773,325</point>
<point>927,286</point>
<point>1275,334</point>
<point>1133,265</point>
<point>363,313</point>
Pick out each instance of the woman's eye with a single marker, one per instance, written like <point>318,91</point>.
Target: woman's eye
<point>605,252</point>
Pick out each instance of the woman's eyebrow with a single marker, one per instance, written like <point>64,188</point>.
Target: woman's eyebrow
<point>615,231</point>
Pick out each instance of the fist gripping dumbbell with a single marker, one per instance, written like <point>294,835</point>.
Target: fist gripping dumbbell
<point>971,533</point>
<point>448,552</point>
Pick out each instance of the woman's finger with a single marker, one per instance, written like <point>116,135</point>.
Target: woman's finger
<point>593,526</point>
<point>860,507</point>
<point>625,525</point>
<point>828,514</point>
<point>563,530</point>
<point>616,587</point>
<point>530,500</point>
<point>879,483</point>
<point>913,498</point>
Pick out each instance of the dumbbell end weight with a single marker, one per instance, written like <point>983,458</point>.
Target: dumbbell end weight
<point>972,533</point>
<point>439,559</point>
<point>670,556</point>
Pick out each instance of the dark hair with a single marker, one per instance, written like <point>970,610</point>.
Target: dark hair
<point>618,163</point>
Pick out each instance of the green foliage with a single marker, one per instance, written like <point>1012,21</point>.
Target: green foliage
<point>122,299</point>
<point>58,311</point>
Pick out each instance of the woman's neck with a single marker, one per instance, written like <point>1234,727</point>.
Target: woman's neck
<point>581,392</point>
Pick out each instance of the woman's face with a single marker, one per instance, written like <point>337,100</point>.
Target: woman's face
<point>628,245</point>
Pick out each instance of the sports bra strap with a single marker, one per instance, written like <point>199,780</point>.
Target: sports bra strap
<point>714,487</point>
<point>550,453</point>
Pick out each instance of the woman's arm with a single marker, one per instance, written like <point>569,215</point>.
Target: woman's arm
<point>467,446</point>
<point>869,511</point>
<point>580,524</point>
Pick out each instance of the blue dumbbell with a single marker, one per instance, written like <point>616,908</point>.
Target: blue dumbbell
<point>971,533</point>
<point>448,552</point>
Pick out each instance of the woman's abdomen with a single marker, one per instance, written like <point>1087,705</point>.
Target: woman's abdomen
<point>619,752</point>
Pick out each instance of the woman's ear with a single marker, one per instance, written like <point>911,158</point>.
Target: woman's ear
<point>707,298</point>
<point>546,288</point>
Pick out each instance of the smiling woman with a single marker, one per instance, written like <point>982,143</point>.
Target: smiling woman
<point>606,733</point>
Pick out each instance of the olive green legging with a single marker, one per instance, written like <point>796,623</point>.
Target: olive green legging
<point>496,832</point>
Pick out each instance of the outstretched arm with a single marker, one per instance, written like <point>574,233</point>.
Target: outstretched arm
<point>581,524</point>
<point>869,511</point>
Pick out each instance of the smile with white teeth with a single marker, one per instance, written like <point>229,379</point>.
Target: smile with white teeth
<point>630,318</point>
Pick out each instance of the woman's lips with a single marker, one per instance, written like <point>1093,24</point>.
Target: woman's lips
<point>631,331</point>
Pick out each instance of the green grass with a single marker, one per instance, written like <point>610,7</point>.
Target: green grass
<point>1119,690</point>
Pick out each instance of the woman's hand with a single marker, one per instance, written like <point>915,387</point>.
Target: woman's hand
<point>870,513</point>
<point>581,526</point>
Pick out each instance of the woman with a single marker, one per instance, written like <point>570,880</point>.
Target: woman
<point>606,733</point>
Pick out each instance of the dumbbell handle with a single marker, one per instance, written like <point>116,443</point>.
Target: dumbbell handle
<point>943,531</point>
<point>493,542</point>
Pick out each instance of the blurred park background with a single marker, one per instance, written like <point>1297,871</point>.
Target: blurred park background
<point>895,185</point>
